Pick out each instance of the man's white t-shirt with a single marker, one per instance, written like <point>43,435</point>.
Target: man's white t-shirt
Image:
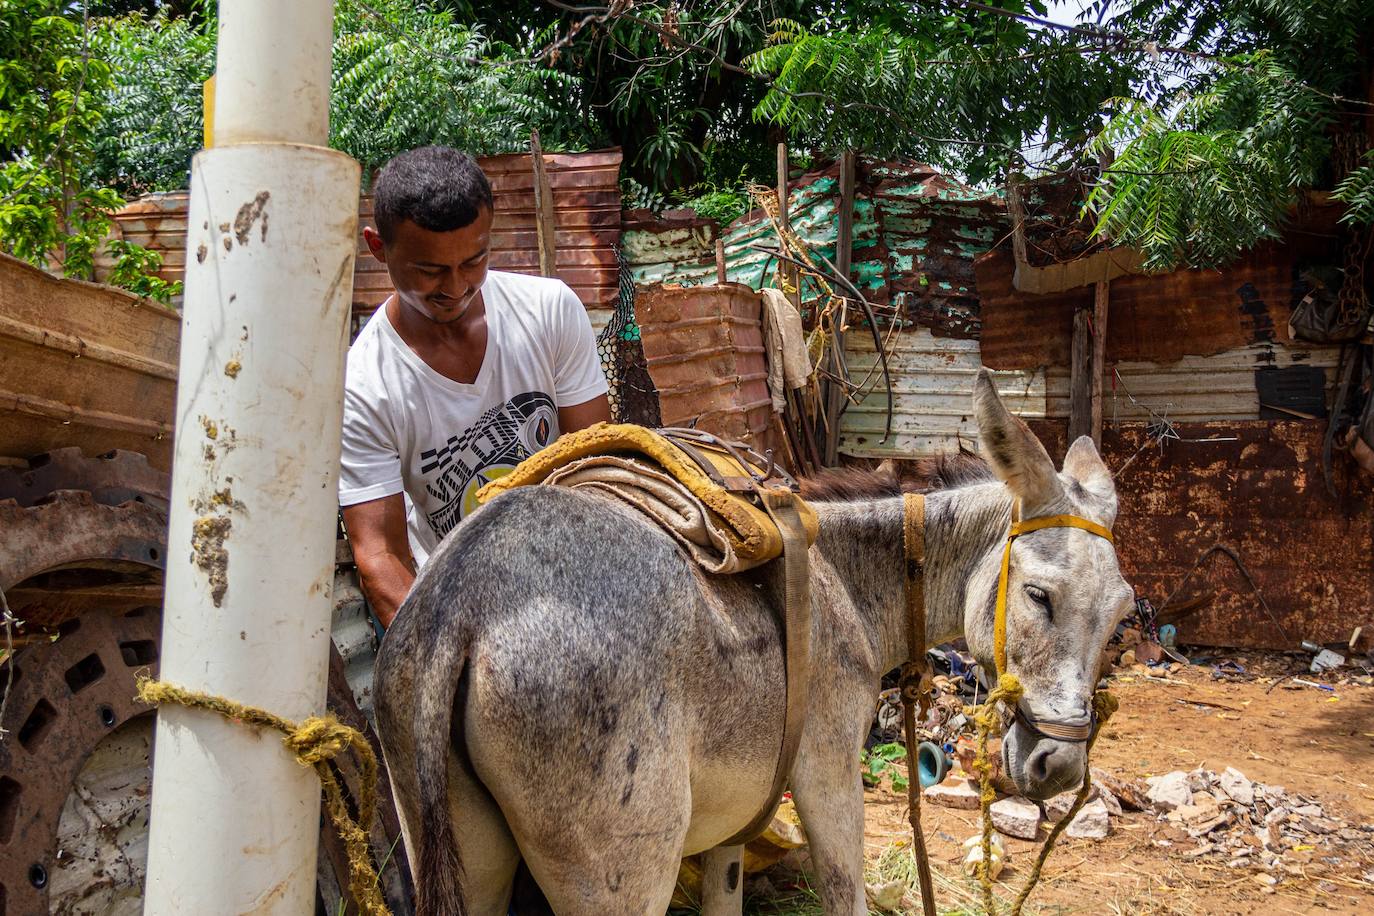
<point>407,428</point>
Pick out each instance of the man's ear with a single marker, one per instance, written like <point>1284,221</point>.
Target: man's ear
<point>1011,449</point>
<point>374,243</point>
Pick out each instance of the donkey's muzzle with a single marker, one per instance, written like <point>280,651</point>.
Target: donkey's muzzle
<point>1040,765</point>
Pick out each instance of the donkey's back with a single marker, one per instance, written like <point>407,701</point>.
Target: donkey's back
<point>610,706</point>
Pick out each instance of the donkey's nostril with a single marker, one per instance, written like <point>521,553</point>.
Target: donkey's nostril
<point>1039,764</point>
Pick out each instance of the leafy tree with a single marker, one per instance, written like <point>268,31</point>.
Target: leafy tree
<point>154,111</point>
<point>51,83</point>
<point>1214,115</point>
<point>406,74</point>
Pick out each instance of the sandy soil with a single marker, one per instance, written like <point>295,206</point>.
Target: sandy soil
<point>1309,741</point>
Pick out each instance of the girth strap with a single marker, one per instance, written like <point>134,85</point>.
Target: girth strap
<point>781,505</point>
<point>916,680</point>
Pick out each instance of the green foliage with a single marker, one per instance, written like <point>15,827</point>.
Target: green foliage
<point>881,761</point>
<point>1357,191</point>
<point>965,93</point>
<point>52,82</point>
<point>407,75</point>
<point>154,111</point>
<point>1203,181</point>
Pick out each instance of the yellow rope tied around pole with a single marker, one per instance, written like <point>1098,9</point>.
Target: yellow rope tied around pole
<point>314,743</point>
<point>986,718</point>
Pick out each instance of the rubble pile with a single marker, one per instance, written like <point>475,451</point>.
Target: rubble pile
<point>1233,820</point>
<point>1253,825</point>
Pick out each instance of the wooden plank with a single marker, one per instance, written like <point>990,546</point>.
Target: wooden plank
<point>844,251</point>
<point>1099,363</point>
<point>543,210</point>
<point>1080,378</point>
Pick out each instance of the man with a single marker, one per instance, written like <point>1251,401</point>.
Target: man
<point>458,377</point>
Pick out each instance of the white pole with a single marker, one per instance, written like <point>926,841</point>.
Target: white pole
<point>273,217</point>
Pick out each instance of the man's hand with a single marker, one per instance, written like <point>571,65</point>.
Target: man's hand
<point>580,416</point>
<point>386,570</point>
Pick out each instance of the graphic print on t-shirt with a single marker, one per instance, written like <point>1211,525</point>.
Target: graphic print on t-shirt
<point>500,439</point>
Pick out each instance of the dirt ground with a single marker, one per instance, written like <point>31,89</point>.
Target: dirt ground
<point>1312,742</point>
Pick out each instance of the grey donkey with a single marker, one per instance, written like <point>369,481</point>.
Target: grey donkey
<point>564,685</point>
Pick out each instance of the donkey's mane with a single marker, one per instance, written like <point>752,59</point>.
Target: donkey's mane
<point>923,475</point>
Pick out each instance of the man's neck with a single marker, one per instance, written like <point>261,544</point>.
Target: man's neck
<point>423,335</point>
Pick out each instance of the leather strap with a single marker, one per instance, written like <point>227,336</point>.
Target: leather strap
<point>916,680</point>
<point>781,505</point>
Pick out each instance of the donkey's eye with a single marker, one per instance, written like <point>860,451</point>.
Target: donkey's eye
<point>1039,597</point>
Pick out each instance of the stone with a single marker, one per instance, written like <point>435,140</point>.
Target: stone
<point>1235,785</point>
<point>1169,791</point>
<point>1206,801</point>
<point>1127,658</point>
<point>1128,792</point>
<point>1018,817</point>
<point>1308,811</point>
<point>1108,799</point>
<point>954,792</point>
<point>1202,850</point>
<point>1057,806</point>
<point>1091,823</point>
<point>1276,816</point>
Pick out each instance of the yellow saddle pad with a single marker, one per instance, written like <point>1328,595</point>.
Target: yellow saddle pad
<point>611,456</point>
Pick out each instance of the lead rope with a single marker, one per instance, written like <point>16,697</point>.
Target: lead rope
<point>986,717</point>
<point>916,687</point>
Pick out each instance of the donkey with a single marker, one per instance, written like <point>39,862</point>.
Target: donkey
<point>564,685</point>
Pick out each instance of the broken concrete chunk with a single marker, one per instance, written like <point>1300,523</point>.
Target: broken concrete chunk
<point>1018,817</point>
<point>954,792</point>
<point>1235,785</point>
<point>1127,791</point>
<point>1091,823</point>
<point>1169,791</point>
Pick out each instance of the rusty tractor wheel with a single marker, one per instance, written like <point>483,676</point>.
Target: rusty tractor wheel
<point>82,553</point>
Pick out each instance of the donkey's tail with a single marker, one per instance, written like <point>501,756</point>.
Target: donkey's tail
<point>439,885</point>
<point>417,683</point>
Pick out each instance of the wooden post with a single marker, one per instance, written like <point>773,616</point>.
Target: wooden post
<point>543,211</point>
<point>720,261</point>
<point>1080,378</point>
<point>844,252</point>
<point>789,272</point>
<point>1099,363</point>
<point>722,881</point>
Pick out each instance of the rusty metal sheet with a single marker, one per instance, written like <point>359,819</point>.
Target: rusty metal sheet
<point>1263,494</point>
<point>586,193</point>
<point>84,365</point>
<point>932,386</point>
<point>705,353</point>
<point>1153,317</point>
<point>915,236</point>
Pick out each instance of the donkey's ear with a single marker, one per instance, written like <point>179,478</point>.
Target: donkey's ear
<point>1085,465</point>
<point>1013,451</point>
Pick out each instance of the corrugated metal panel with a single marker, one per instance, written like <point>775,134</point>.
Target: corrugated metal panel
<point>704,349</point>
<point>915,236</point>
<point>932,380</point>
<point>1157,318</point>
<point>586,200</point>
<point>1262,494</point>
<point>586,193</point>
<point>1196,388</point>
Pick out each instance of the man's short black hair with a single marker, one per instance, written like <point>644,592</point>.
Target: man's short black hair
<point>435,187</point>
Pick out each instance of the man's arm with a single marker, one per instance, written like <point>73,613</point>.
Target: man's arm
<point>386,570</point>
<point>580,416</point>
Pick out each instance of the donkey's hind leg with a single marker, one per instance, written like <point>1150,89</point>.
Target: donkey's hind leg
<point>631,878</point>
